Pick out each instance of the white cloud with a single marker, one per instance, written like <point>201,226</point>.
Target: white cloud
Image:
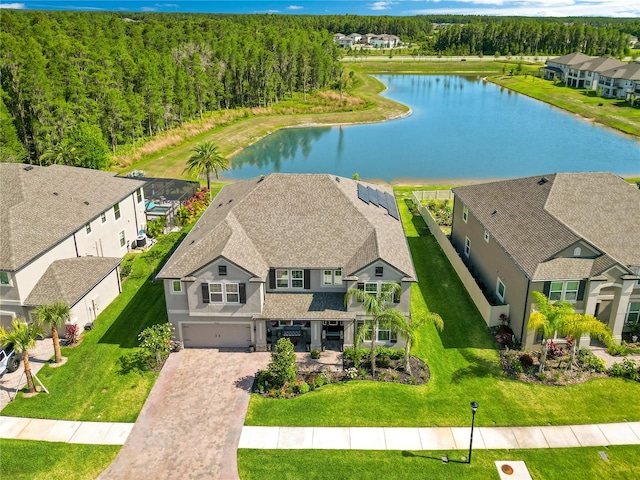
<point>148,9</point>
<point>295,7</point>
<point>12,6</point>
<point>166,5</point>
<point>381,5</point>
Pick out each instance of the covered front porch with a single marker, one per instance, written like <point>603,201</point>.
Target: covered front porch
<point>312,321</point>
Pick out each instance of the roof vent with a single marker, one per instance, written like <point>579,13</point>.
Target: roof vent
<point>55,193</point>
<point>86,203</point>
<point>260,179</point>
<point>543,180</point>
<point>219,205</point>
<point>338,179</point>
<point>28,168</point>
<point>494,213</point>
<point>230,200</point>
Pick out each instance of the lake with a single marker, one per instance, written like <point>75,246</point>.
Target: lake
<point>459,128</point>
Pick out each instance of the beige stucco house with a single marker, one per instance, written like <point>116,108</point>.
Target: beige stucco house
<point>274,257</point>
<point>572,236</point>
<point>64,233</point>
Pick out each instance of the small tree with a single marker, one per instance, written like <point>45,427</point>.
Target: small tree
<point>23,337</point>
<point>207,159</point>
<point>578,324</point>
<point>282,368</point>
<point>156,344</point>
<point>54,316</point>
<point>414,326</point>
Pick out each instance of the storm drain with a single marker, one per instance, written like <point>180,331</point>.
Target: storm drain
<point>512,470</point>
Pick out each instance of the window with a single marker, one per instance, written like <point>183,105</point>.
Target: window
<point>577,251</point>
<point>176,286</point>
<point>633,313</point>
<point>383,334</point>
<point>116,211</point>
<point>486,236</point>
<point>87,228</point>
<point>564,291</point>
<point>224,293</point>
<point>139,195</point>
<point>289,279</point>
<point>103,217</point>
<point>4,278</point>
<point>380,288</point>
<point>122,238</point>
<point>332,277</point>
<point>465,214</point>
<point>379,271</point>
<point>467,246</point>
<point>371,288</point>
<point>500,289</point>
<point>222,270</point>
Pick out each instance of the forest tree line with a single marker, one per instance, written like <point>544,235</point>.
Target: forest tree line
<point>78,84</point>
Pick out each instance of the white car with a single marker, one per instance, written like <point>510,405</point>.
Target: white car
<point>9,361</point>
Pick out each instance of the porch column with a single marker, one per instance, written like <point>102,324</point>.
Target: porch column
<point>316,335</point>
<point>349,333</point>
<point>260,336</point>
<point>620,305</point>
<point>593,290</point>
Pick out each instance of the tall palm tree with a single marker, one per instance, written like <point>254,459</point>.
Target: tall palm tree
<point>62,153</point>
<point>54,316</point>
<point>414,326</point>
<point>380,308</point>
<point>578,324</point>
<point>549,317</point>
<point>207,159</point>
<point>23,337</point>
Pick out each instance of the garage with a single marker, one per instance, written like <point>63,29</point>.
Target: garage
<point>216,335</point>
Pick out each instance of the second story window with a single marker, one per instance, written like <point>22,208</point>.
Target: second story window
<point>379,271</point>
<point>332,277</point>
<point>222,270</point>
<point>564,291</point>
<point>103,217</point>
<point>289,279</point>
<point>465,214</point>
<point>116,211</point>
<point>224,293</point>
<point>4,278</point>
<point>139,195</point>
<point>87,228</point>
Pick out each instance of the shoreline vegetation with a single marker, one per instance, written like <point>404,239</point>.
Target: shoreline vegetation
<point>232,130</point>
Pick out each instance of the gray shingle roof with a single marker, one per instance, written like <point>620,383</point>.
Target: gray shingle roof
<point>292,220</point>
<point>70,279</point>
<point>571,59</point>
<point>599,64</point>
<point>40,206</point>
<point>299,306</point>
<point>534,222</point>
<point>627,72</point>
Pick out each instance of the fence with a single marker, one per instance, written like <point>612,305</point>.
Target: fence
<point>490,313</point>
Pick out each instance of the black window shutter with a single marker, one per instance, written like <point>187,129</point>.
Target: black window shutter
<point>307,279</point>
<point>272,278</point>
<point>546,288</point>
<point>242,289</point>
<point>205,293</point>
<point>360,286</point>
<point>396,294</point>
<point>583,284</point>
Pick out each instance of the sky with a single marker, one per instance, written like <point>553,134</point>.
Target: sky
<point>534,8</point>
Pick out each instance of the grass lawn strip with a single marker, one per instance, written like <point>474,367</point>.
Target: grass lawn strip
<point>558,464</point>
<point>465,366</point>
<point>24,459</point>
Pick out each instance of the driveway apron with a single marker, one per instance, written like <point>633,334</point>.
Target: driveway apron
<point>191,423</point>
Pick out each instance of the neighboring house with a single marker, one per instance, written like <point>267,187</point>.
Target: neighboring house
<point>64,232</point>
<point>344,41</point>
<point>621,82</point>
<point>586,74</point>
<point>356,37</point>
<point>275,256</point>
<point>384,41</point>
<point>572,236</point>
<point>366,38</point>
<point>558,67</point>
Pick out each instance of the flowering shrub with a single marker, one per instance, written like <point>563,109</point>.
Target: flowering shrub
<point>193,208</point>
<point>554,351</point>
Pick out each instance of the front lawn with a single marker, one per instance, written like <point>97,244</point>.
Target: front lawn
<point>557,464</point>
<point>25,459</point>
<point>465,366</point>
<point>91,385</point>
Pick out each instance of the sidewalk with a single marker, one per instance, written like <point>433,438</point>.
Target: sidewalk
<point>96,433</point>
<point>442,438</point>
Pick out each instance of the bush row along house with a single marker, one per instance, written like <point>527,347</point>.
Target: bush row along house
<point>274,257</point>
<point>572,236</point>
<point>375,40</point>
<point>611,78</point>
<point>64,233</point>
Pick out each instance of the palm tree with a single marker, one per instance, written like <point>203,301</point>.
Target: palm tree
<point>23,337</point>
<point>549,318</point>
<point>54,316</point>
<point>578,324</point>
<point>414,326</point>
<point>62,153</point>
<point>207,159</point>
<point>379,307</point>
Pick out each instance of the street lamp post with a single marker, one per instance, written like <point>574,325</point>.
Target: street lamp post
<point>474,409</point>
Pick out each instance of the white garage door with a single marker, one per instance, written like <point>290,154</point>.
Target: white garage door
<point>216,335</point>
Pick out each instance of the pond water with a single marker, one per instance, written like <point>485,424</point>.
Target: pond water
<point>460,128</point>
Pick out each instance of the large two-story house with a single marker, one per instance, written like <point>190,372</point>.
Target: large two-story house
<point>64,233</point>
<point>275,256</point>
<point>572,236</point>
<point>621,82</point>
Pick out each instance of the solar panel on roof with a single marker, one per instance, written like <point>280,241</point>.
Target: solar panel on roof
<point>392,207</point>
<point>363,194</point>
<point>373,196</point>
<point>382,201</point>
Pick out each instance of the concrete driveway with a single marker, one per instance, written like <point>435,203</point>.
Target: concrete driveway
<point>191,423</point>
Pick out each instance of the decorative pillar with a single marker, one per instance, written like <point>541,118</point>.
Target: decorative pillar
<point>620,306</point>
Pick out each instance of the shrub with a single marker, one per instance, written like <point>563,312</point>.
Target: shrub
<point>589,362</point>
<point>125,270</point>
<point>193,207</point>
<point>554,351</point>
<point>155,228</point>
<point>351,373</point>
<point>303,388</point>
<point>315,354</point>
<point>626,369</point>
<point>517,366</point>
<point>155,342</point>
<point>526,360</point>
<point>72,334</point>
<point>282,367</point>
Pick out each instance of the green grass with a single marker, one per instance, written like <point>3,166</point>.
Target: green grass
<point>91,385</point>
<point>464,365</point>
<point>22,460</point>
<point>452,67</point>
<point>558,464</point>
